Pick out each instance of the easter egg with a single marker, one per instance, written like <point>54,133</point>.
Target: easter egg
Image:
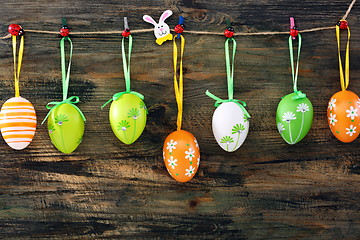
<point>18,122</point>
<point>181,155</point>
<point>128,117</point>
<point>66,127</point>
<point>343,115</point>
<point>294,118</point>
<point>230,126</point>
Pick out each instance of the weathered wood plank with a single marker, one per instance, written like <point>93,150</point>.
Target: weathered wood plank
<point>265,190</point>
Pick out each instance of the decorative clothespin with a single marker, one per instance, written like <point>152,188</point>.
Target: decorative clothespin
<point>180,27</point>
<point>161,30</point>
<point>126,32</point>
<point>229,32</point>
<point>64,31</point>
<point>294,30</point>
<point>343,24</point>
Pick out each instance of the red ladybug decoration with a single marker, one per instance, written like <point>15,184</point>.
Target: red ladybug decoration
<point>64,31</point>
<point>15,30</point>
<point>294,31</point>
<point>179,28</point>
<point>126,33</point>
<point>229,32</point>
<point>343,24</point>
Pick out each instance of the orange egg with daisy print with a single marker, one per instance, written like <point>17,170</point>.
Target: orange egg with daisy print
<point>181,155</point>
<point>343,115</point>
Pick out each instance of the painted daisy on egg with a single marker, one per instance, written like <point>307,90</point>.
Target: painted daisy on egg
<point>190,171</point>
<point>190,154</point>
<point>352,112</point>
<point>171,145</point>
<point>302,107</point>
<point>123,125</point>
<point>332,103</point>
<point>133,113</point>
<point>288,116</point>
<point>60,119</point>
<point>332,119</point>
<point>172,162</point>
<point>280,127</point>
<point>227,140</point>
<point>351,130</point>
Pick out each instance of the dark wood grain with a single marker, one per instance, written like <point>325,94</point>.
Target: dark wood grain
<point>265,190</point>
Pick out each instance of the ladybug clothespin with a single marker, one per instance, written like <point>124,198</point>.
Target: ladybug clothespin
<point>229,32</point>
<point>15,30</point>
<point>294,30</point>
<point>180,27</point>
<point>343,24</point>
<point>64,30</point>
<point>126,32</point>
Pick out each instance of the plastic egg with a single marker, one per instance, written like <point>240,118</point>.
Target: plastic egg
<point>230,126</point>
<point>294,118</point>
<point>66,127</point>
<point>343,115</point>
<point>181,155</point>
<point>128,117</point>
<point>17,122</point>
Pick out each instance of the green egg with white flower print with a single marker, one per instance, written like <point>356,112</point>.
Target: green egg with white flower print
<point>66,127</point>
<point>294,118</point>
<point>128,117</point>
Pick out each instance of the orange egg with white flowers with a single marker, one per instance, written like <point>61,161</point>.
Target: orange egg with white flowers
<point>344,116</point>
<point>181,155</point>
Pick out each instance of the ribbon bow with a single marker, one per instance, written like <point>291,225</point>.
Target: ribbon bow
<point>71,100</point>
<point>299,95</point>
<point>219,101</point>
<point>116,96</point>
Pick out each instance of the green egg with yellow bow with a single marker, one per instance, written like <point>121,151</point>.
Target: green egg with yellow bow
<point>128,117</point>
<point>66,127</point>
<point>294,117</point>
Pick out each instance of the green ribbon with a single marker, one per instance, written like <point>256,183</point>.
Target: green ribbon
<point>116,96</point>
<point>294,73</point>
<point>126,67</point>
<point>219,101</point>
<point>230,79</point>
<point>65,82</point>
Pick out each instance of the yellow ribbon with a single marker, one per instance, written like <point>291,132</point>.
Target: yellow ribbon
<point>178,85</point>
<point>17,65</point>
<point>344,81</point>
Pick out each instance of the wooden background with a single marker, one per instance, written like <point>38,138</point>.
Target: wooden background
<point>265,190</point>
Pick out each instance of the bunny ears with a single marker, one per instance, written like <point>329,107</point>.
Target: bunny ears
<point>161,29</point>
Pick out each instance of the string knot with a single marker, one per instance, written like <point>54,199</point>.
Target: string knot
<point>219,101</point>
<point>71,100</point>
<point>116,96</point>
<point>299,95</point>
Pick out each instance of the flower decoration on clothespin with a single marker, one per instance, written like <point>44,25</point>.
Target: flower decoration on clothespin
<point>128,112</point>
<point>294,115</point>
<point>65,121</point>
<point>161,29</point>
<point>230,122</point>
<point>17,115</point>
<point>343,108</point>
<point>180,27</point>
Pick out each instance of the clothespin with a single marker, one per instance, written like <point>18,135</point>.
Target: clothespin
<point>126,32</point>
<point>64,31</point>
<point>15,30</point>
<point>180,27</point>
<point>294,30</point>
<point>229,32</point>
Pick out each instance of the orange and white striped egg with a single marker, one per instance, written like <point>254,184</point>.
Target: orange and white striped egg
<point>17,122</point>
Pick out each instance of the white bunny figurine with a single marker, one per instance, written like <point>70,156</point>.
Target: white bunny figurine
<point>161,30</point>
